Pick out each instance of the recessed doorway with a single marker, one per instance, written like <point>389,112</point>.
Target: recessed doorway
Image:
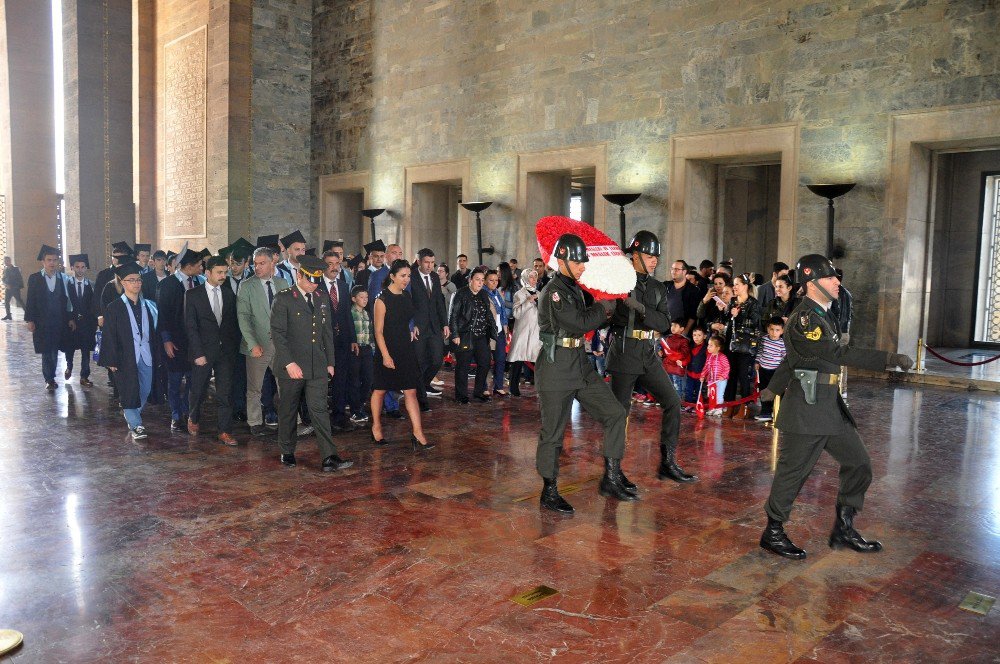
<point>342,197</point>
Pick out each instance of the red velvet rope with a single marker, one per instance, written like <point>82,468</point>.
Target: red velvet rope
<point>956,362</point>
<point>725,404</point>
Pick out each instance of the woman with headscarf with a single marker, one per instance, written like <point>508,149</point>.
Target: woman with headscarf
<point>525,342</point>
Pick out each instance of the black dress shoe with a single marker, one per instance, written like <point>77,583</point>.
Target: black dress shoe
<point>462,400</point>
<point>417,445</point>
<point>844,534</point>
<point>288,459</point>
<point>480,397</point>
<point>630,485</point>
<point>258,430</point>
<point>776,541</point>
<point>334,462</point>
<point>425,408</point>
<point>51,386</point>
<point>551,500</point>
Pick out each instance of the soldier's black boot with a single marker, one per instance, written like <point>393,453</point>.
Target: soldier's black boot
<point>611,483</point>
<point>551,500</point>
<point>668,466</point>
<point>776,541</point>
<point>844,534</point>
<point>629,485</point>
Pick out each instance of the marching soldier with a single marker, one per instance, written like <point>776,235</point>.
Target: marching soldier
<point>636,324</point>
<point>304,360</point>
<point>562,373</point>
<point>813,417</point>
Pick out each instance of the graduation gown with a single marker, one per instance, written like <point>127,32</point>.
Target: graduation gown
<point>118,348</point>
<point>170,303</point>
<point>85,318</point>
<point>49,322</point>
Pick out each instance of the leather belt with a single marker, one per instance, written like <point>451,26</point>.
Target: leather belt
<point>569,342</point>
<point>827,379</point>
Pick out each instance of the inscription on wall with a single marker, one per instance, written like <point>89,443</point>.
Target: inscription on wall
<point>185,134</point>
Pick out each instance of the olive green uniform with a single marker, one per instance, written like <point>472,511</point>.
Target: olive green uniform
<point>563,373</point>
<point>813,417</point>
<point>631,359</point>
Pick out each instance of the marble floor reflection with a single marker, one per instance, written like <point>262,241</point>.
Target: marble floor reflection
<point>179,549</point>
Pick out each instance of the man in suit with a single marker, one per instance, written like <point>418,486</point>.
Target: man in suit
<point>238,255</point>
<point>430,315</point>
<point>13,282</point>
<point>213,333</point>
<point>304,360</point>
<point>253,308</point>
<point>173,333</point>
<point>82,329</point>
<point>337,247</point>
<point>337,291</point>
<point>47,311</point>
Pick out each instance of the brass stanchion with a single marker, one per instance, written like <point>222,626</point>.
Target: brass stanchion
<point>774,434</point>
<point>920,354</point>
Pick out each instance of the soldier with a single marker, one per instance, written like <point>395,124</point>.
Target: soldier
<point>563,374</point>
<point>813,417</point>
<point>636,324</point>
<point>304,360</point>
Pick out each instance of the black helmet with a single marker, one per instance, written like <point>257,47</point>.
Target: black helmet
<point>812,267</point>
<point>644,242</point>
<point>570,247</point>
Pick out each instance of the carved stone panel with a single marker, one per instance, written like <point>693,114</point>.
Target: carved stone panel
<point>185,143</point>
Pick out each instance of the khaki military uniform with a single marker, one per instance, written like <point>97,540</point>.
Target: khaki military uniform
<point>563,373</point>
<point>813,417</point>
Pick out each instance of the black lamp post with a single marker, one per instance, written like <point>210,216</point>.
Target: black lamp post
<point>371,214</point>
<point>621,200</point>
<point>830,192</point>
<point>477,207</point>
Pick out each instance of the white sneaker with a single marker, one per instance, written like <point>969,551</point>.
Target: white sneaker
<point>715,412</point>
<point>138,433</point>
<point>437,382</point>
<point>433,392</point>
<point>359,419</point>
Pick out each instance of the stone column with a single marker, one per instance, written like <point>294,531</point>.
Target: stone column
<point>27,143</point>
<point>97,55</point>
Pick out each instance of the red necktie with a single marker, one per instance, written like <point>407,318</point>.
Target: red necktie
<point>334,296</point>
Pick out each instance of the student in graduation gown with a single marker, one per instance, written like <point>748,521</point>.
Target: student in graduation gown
<point>81,334</point>
<point>46,310</point>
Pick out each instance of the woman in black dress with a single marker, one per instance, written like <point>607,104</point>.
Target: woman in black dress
<point>395,358</point>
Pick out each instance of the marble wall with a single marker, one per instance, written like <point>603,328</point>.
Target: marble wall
<point>398,83</point>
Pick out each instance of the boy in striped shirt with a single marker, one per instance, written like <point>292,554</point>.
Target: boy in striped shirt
<point>772,352</point>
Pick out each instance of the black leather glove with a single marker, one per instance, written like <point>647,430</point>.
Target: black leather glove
<point>904,362</point>
<point>608,306</point>
<point>766,395</point>
<point>632,303</point>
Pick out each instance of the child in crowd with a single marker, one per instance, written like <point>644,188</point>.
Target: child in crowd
<point>597,351</point>
<point>699,353</point>
<point>772,352</point>
<point>676,354</point>
<point>716,373</point>
<point>362,363</point>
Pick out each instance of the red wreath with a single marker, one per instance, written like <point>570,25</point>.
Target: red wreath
<point>605,254</point>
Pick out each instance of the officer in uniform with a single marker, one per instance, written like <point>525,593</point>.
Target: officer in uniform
<point>636,324</point>
<point>304,360</point>
<point>562,373</point>
<point>813,417</point>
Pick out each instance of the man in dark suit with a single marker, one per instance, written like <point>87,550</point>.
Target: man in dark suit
<point>13,282</point>
<point>46,311</point>
<point>80,334</point>
<point>430,315</point>
<point>173,334</point>
<point>304,360</point>
<point>335,288</point>
<point>151,280</point>
<point>460,277</point>
<point>213,333</point>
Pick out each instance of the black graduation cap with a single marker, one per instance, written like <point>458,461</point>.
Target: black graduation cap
<point>269,241</point>
<point>121,248</point>
<point>226,251</point>
<point>311,252</point>
<point>131,267</point>
<point>75,258</point>
<point>291,238</point>
<point>240,250</point>
<point>377,245</point>
<point>143,247</point>
<point>171,256</point>
<point>189,257</point>
<point>330,244</point>
<point>205,253</point>
<point>354,262</point>
<point>46,250</point>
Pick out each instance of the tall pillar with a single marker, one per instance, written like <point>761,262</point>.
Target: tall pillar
<point>97,43</point>
<point>27,142</point>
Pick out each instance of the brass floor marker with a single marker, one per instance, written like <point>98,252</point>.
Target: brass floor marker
<point>10,639</point>
<point>536,594</point>
<point>977,603</point>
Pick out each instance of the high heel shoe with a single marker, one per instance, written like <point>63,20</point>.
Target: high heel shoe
<point>379,441</point>
<point>417,445</point>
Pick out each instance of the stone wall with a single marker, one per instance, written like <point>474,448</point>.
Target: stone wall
<point>398,83</point>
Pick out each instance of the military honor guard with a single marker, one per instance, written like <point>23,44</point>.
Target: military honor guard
<point>80,334</point>
<point>813,417</point>
<point>46,310</point>
<point>636,326</point>
<point>304,360</point>
<point>173,334</point>
<point>563,373</point>
<point>127,341</point>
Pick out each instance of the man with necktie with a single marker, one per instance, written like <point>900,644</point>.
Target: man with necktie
<point>46,310</point>
<point>430,315</point>
<point>336,289</point>
<point>173,333</point>
<point>81,333</point>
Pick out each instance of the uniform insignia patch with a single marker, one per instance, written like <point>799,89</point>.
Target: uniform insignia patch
<point>814,335</point>
<point>804,321</point>
<point>555,297</point>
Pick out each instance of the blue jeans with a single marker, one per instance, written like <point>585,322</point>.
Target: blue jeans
<point>178,399</point>
<point>720,393</point>
<point>84,362</point>
<point>691,389</point>
<point>599,362</point>
<point>50,358</point>
<point>134,415</point>
<point>499,361</point>
<point>678,382</point>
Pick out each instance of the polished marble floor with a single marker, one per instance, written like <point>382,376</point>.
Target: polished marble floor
<point>178,549</point>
